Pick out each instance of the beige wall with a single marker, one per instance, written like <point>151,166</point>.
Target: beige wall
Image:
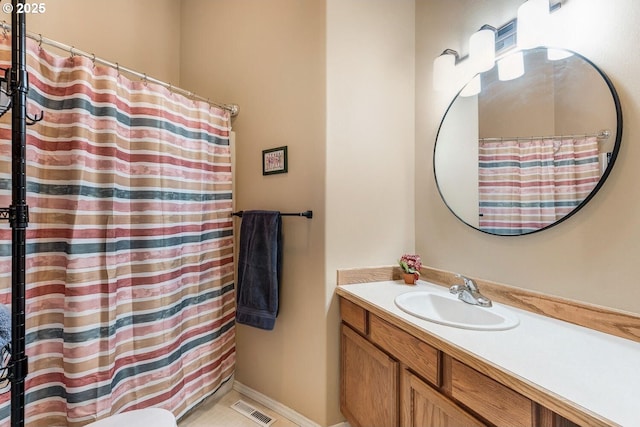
<point>346,112</point>
<point>457,160</point>
<point>269,57</point>
<point>370,146</point>
<point>576,106</point>
<point>143,35</point>
<point>370,135</point>
<point>520,107</point>
<point>592,256</point>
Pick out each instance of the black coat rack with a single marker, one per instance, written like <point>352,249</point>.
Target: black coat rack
<point>18,212</point>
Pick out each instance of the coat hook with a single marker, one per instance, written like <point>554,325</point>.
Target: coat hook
<point>30,121</point>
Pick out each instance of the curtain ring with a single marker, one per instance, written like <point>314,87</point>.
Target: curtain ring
<point>118,69</point>
<point>71,51</point>
<point>40,41</point>
<point>93,59</point>
<point>144,80</point>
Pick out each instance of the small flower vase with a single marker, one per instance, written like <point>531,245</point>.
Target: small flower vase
<point>409,278</point>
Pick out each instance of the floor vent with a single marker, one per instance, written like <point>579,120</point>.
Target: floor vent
<point>252,413</point>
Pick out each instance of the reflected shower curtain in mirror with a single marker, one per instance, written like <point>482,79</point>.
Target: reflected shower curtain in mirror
<point>130,300</point>
<point>525,185</point>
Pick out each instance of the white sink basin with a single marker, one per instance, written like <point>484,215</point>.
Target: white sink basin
<point>447,309</point>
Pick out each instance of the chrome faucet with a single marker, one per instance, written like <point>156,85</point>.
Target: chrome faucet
<point>469,293</point>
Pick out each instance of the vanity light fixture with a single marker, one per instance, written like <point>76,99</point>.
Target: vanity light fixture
<point>444,70</point>
<point>482,57</point>
<point>511,66</point>
<point>482,49</point>
<point>530,29</point>
<point>533,23</point>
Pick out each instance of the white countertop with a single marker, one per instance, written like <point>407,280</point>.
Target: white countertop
<point>597,371</point>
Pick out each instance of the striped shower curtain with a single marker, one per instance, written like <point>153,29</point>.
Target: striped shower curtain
<point>130,300</point>
<point>527,185</point>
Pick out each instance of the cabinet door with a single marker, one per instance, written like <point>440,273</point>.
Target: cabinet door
<point>488,398</point>
<point>423,406</point>
<point>369,383</point>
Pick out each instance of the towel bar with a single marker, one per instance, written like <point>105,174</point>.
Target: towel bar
<point>306,214</point>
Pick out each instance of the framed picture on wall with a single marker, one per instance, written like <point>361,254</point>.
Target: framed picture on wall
<point>274,160</point>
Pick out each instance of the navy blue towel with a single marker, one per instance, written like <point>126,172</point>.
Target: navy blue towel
<point>259,268</point>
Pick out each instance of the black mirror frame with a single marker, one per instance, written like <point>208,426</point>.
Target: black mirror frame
<point>603,178</point>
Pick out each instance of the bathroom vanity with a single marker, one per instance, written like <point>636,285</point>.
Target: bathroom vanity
<point>398,369</point>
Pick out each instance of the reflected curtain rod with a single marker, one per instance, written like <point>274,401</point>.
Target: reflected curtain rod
<point>603,134</point>
<point>233,109</point>
<point>306,214</point>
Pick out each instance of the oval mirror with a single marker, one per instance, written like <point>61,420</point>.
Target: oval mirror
<point>525,154</point>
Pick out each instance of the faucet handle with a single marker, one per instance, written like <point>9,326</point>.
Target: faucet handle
<point>468,283</point>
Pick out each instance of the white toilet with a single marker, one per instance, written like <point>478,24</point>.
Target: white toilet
<point>155,417</point>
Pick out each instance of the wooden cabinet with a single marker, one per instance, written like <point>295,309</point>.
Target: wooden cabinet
<point>490,399</point>
<point>423,406</point>
<point>417,355</point>
<point>353,315</point>
<point>390,377</point>
<point>369,383</point>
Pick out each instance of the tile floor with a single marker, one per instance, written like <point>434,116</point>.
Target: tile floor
<point>217,413</point>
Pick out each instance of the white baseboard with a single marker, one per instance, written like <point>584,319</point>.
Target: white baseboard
<point>278,407</point>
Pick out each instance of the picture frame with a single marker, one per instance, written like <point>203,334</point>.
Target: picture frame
<point>274,161</point>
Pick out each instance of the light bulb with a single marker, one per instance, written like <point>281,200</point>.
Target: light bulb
<point>533,24</point>
<point>482,49</point>
<point>443,71</point>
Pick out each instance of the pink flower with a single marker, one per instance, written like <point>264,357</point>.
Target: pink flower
<point>410,263</point>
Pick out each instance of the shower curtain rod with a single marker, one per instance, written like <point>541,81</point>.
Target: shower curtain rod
<point>232,108</point>
<point>603,134</point>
